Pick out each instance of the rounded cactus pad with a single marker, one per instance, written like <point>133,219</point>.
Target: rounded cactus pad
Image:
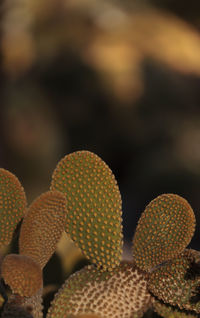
<point>177,281</point>
<point>12,205</point>
<point>167,311</point>
<point>121,293</point>
<point>94,206</point>
<point>164,230</point>
<point>22,274</point>
<point>42,226</point>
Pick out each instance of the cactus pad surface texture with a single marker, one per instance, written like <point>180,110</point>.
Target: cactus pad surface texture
<point>84,200</point>
<point>12,205</point>
<point>42,226</point>
<point>22,274</point>
<point>94,206</point>
<point>121,293</point>
<point>177,281</point>
<point>165,228</point>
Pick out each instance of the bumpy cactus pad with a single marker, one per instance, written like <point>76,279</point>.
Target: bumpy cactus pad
<point>42,226</point>
<point>12,205</point>
<point>164,230</point>
<point>22,274</point>
<point>94,206</point>
<point>167,311</point>
<point>177,282</point>
<point>122,293</point>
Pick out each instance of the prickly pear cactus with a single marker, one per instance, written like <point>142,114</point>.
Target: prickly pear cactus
<point>177,281</point>
<point>164,230</point>
<point>122,293</point>
<point>42,226</point>
<point>94,206</point>
<point>12,205</point>
<point>22,274</point>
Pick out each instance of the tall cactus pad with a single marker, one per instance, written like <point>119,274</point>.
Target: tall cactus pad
<point>42,226</point>
<point>164,230</point>
<point>22,274</point>
<point>121,293</point>
<point>94,206</point>
<point>12,205</point>
<point>167,311</point>
<point>177,282</point>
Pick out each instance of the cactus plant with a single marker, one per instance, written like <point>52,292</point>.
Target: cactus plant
<point>12,205</point>
<point>164,230</point>
<point>174,282</point>
<point>84,200</point>
<point>22,274</point>
<point>94,206</point>
<point>43,223</point>
<point>118,294</point>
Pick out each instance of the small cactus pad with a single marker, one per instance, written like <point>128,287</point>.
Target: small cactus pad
<point>164,230</point>
<point>167,311</point>
<point>94,207</point>
<point>12,205</point>
<point>121,293</point>
<point>22,274</point>
<point>177,282</point>
<point>42,226</point>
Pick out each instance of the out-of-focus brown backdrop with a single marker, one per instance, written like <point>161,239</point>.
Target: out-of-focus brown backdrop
<point>119,78</point>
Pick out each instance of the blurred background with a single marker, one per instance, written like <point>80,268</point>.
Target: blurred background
<point>119,78</point>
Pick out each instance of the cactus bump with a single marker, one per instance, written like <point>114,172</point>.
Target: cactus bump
<point>164,230</point>
<point>94,206</point>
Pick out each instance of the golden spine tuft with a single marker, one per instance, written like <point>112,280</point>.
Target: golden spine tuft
<point>22,274</point>
<point>42,226</point>
<point>94,207</point>
<point>12,205</point>
<point>164,230</point>
<point>121,293</point>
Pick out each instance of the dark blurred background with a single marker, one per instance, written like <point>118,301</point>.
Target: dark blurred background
<point>119,78</point>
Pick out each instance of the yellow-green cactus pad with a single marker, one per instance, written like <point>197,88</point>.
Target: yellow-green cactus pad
<point>167,311</point>
<point>121,293</point>
<point>94,206</point>
<point>12,205</point>
<point>22,274</point>
<point>177,282</point>
<point>164,230</point>
<point>42,226</point>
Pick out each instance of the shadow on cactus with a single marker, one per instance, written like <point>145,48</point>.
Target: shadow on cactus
<point>84,200</point>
